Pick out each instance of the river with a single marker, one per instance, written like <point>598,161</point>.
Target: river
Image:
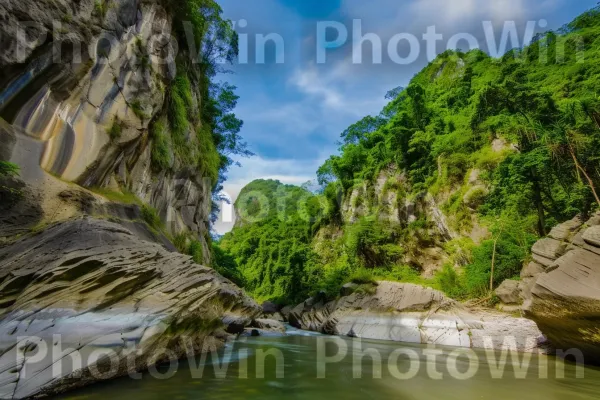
<point>293,364</point>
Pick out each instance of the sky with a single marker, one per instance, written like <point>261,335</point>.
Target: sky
<point>311,85</point>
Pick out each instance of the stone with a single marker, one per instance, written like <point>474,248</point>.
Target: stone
<point>594,220</point>
<point>285,312</point>
<point>543,261</point>
<point>410,313</point>
<point>509,292</point>
<point>97,285</point>
<point>269,325</point>
<point>348,288</point>
<point>565,230</point>
<point>548,248</point>
<point>592,236</point>
<point>532,269</point>
<point>269,307</point>
<point>564,299</point>
<point>235,324</point>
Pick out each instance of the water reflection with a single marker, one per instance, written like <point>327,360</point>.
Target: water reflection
<point>291,366</point>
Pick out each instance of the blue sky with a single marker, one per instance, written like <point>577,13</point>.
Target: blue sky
<point>294,112</point>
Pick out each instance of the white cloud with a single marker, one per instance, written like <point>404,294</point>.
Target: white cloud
<point>309,81</point>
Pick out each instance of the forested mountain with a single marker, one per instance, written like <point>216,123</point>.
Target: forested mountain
<point>458,175</point>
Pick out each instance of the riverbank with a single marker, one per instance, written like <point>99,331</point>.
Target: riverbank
<point>402,312</point>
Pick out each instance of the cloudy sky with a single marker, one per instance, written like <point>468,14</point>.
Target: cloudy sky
<point>295,110</point>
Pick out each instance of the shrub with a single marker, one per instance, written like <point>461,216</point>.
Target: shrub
<point>195,250</point>
<point>151,217</point>
<point>8,169</point>
<point>450,282</point>
<point>138,109</point>
<point>9,195</point>
<point>209,158</point>
<point>116,129</point>
<point>161,146</point>
<point>362,276</point>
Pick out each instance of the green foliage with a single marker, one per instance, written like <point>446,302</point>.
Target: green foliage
<point>116,129</point>
<point>161,146</point>
<point>363,275</point>
<point>450,282</point>
<point>225,265</point>
<point>272,247</point>
<point>138,109</point>
<point>210,160</point>
<point>9,195</point>
<point>529,126</point>
<point>101,7</point>
<point>195,250</point>
<point>151,217</point>
<point>8,169</point>
<point>371,244</point>
<point>123,196</point>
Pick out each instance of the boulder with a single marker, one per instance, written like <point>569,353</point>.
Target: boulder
<point>411,313</point>
<point>565,230</point>
<point>509,292</point>
<point>592,236</point>
<point>548,248</point>
<point>89,285</point>
<point>269,307</point>
<point>348,289</point>
<point>565,299</point>
<point>269,325</point>
<point>285,312</point>
<point>532,270</point>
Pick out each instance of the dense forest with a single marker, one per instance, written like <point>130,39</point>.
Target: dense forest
<point>539,104</point>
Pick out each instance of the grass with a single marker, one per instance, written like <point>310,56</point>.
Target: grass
<point>210,160</point>
<point>161,146</point>
<point>151,217</point>
<point>116,129</point>
<point>195,250</point>
<point>123,197</point>
<point>101,7</point>
<point>138,109</point>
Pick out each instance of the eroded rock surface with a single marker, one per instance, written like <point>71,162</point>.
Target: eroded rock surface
<point>564,298</point>
<point>101,288</point>
<point>405,312</point>
<point>70,72</point>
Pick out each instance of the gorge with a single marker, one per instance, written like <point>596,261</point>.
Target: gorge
<point>463,217</point>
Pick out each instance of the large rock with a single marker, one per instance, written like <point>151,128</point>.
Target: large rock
<point>565,298</point>
<point>410,313</point>
<point>90,285</point>
<point>62,112</point>
<point>269,325</point>
<point>509,292</point>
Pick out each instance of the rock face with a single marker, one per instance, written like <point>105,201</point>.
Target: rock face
<point>509,292</point>
<point>410,313</point>
<point>77,71</point>
<point>564,298</point>
<point>88,285</point>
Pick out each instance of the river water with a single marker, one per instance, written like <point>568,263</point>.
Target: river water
<point>293,363</point>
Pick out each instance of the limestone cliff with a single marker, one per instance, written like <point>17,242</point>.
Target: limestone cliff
<point>83,257</point>
<point>390,199</point>
<point>81,82</point>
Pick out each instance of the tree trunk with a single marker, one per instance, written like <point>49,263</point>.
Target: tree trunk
<point>493,262</point>
<point>537,199</point>
<point>584,172</point>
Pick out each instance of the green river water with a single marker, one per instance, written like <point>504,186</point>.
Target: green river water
<point>299,366</point>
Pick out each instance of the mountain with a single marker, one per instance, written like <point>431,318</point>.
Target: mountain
<point>449,187</point>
